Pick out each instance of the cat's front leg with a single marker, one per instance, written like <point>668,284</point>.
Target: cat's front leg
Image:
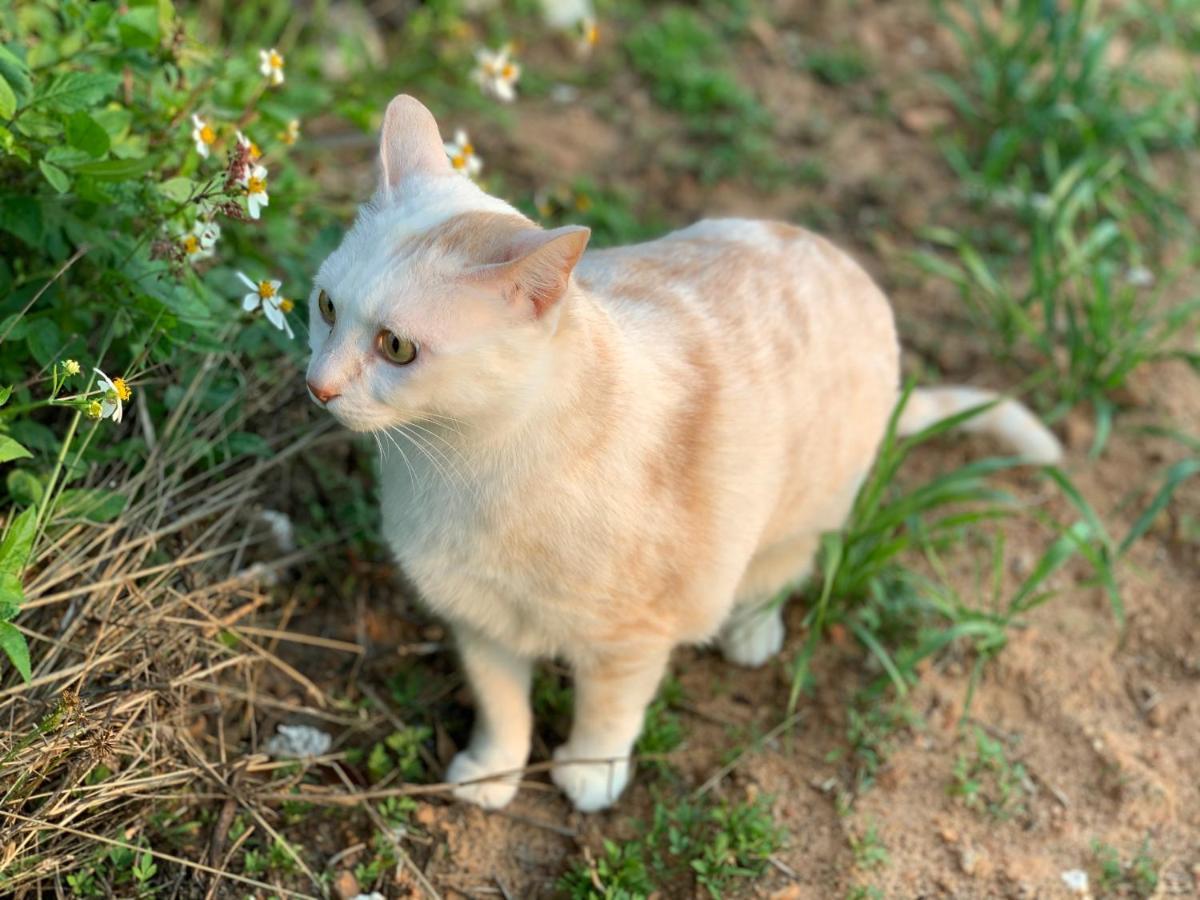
<point>500,681</point>
<point>611,695</point>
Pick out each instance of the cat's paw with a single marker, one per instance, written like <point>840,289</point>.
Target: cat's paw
<point>752,641</point>
<point>492,793</point>
<point>591,786</point>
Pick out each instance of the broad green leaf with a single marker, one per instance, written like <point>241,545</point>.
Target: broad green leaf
<point>24,487</point>
<point>18,543</point>
<point>22,216</point>
<point>177,189</point>
<point>43,338</point>
<point>57,177</point>
<point>8,100</point>
<point>76,90</point>
<point>12,596</point>
<point>13,643</point>
<point>139,28</point>
<point>10,449</point>
<point>118,168</point>
<point>92,504</point>
<point>5,392</point>
<point>86,134</point>
<point>14,71</point>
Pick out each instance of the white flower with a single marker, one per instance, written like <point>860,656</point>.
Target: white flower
<point>270,63</point>
<point>1140,276</point>
<point>265,295</point>
<point>566,14</point>
<point>252,150</point>
<point>203,134</point>
<point>496,73</point>
<point>462,155</point>
<point>298,741</point>
<point>116,392</point>
<point>254,183</point>
<point>198,243</point>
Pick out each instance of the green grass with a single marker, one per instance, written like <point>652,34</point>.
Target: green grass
<point>1042,95</point>
<point>703,842</point>
<point>687,65</point>
<point>836,66</point>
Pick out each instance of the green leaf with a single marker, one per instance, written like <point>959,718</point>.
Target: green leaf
<point>57,177</point>
<point>86,134</point>
<point>24,487</point>
<point>10,450</point>
<point>43,338</point>
<point>12,596</point>
<point>14,71</point>
<point>13,643</point>
<point>118,169</point>
<point>8,100</point>
<point>76,90</point>
<point>5,392</point>
<point>18,543</point>
<point>177,189</point>
<point>139,27</point>
<point>92,504</point>
<point>22,216</point>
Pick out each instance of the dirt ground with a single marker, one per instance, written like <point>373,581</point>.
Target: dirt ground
<point>1105,722</point>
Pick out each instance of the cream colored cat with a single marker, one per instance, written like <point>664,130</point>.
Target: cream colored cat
<point>605,454</point>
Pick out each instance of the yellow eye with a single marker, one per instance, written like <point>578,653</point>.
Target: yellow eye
<point>396,349</point>
<point>325,305</point>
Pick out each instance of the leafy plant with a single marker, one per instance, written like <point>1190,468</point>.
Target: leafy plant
<point>988,781</point>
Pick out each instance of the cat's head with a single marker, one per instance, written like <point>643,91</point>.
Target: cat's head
<point>441,301</point>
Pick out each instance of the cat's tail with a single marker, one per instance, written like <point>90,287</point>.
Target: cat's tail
<point>1009,421</point>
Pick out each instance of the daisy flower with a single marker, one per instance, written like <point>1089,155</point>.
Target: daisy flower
<point>292,133</point>
<point>253,152</point>
<point>496,73</point>
<point>254,184</point>
<point>116,393</point>
<point>203,134</point>
<point>462,155</point>
<point>198,243</point>
<point>270,63</point>
<point>265,295</point>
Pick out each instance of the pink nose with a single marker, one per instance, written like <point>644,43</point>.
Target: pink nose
<point>322,394</point>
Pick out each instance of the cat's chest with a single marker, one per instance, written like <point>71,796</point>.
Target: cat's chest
<point>478,555</point>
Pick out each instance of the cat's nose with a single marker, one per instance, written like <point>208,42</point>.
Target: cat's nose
<point>322,394</point>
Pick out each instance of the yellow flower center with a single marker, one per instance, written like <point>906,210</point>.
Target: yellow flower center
<point>591,34</point>
<point>191,244</point>
<point>266,290</point>
<point>459,161</point>
<point>122,389</point>
<point>94,409</point>
<point>255,153</point>
<point>256,185</point>
<point>286,305</point>
<point>207,135</point>
<point>583,202</point>
<point>275,61</point>
<point>509,72</point>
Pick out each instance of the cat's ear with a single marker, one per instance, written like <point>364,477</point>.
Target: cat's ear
<point>410,143</point>
<point>537,265</point>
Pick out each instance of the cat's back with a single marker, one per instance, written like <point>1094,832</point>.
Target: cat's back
<point>750,282</point>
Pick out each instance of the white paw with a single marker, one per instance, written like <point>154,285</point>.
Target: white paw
<point>490,794</point>
<point>753,640</point>
<point>590,785</point>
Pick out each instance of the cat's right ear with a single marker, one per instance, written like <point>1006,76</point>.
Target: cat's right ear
<point>410,143</point>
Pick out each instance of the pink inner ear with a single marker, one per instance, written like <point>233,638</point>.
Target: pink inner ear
<point>410,143</point>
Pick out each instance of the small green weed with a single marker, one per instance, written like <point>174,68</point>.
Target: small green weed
<point>708,843</point>
<point>836,66</point>
<point>1138,878</point>
<point>400,751</point>
<point>662,731</point>
<point>869,850</point>
<point>988,781</point>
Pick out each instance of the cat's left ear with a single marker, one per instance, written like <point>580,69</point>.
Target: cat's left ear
<point>538,265</point>
<point>410,143</point>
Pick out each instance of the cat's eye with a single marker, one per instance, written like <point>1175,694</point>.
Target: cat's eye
<point>396,349</point>
<point>325,305</point>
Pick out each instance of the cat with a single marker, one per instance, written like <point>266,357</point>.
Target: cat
<point>604,455</point>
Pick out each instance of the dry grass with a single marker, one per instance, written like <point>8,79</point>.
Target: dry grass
<point>150,635</point>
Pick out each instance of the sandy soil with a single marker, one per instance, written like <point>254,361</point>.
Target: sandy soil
<point>1105,722</point>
